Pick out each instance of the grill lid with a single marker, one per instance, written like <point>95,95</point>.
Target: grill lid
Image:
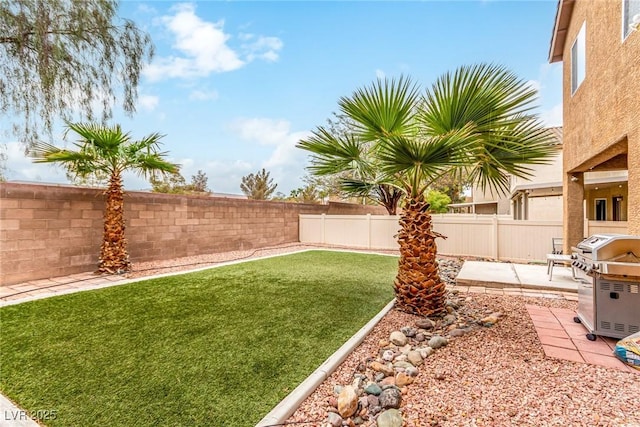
<point>608,246</point>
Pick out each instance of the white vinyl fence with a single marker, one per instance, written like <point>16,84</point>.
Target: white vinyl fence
<point>491,236</point>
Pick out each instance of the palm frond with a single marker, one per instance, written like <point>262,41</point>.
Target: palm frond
<point>149,164</point>
<point>386,107</point>
<point>107,150</point>
<point>357,188</point>
<point>496,106</point>
<point>105,139</point>
<point>489,96</point>
<point>333,154</point>
<point>423,160</point>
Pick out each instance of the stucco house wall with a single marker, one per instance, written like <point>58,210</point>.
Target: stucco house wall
<point>602,117</point>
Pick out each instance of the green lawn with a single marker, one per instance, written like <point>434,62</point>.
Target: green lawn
<point>219,347</point>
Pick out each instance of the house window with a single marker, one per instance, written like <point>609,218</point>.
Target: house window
<point>630,8</point>
<point>601,209</point>
<point>578,60</point>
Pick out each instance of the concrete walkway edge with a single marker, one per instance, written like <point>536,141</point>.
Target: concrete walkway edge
<point>289,404</point>
<point>14,416</point>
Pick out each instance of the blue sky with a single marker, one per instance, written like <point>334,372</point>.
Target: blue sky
<point>234,85</point>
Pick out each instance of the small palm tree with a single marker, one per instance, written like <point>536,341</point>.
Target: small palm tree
<point>475,122</point>
<point>108,151</point>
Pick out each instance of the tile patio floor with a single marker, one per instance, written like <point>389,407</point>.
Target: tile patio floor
<point>564,339</point>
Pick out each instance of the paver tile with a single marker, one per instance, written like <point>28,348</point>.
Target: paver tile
<point>17,296</point>
<point>567,320</point>
<point>558,333</point>
<point>547,325</point>
<point>602,360</point>
<point>542,317</point>
<point>611,342</point>
<point>557,342</point>
<point>43,291</point>
<point>4,291</point>
<point>532,294</point>
<point>24,286</point>
<point>113,278</point>
<point>63,279</point>
<point>562,353</point>
<point>64,288</point>
<point>567,311</point>
<point>598,347</point>
<point>575,330</point>
<point>633,370</point>
<point>43,282</point>
<point>537,309</point>
<point>551,295</point>
<point>565,317</point>
<point>98,282</point>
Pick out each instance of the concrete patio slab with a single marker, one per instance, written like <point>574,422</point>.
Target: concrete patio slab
<point>518,276</point>
<point>487,274</point>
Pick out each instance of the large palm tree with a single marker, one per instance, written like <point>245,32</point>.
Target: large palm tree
<point>108,151</point>
<point>476,122</point>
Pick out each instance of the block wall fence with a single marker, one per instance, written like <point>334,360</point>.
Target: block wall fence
<point>55,230</point>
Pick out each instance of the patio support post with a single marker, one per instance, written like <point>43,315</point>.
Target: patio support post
<point>633,168</point>
<point>573,211</point>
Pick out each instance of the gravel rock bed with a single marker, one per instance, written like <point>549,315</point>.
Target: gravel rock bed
<point>491,376</point>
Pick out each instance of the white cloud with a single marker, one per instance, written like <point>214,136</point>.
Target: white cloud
<point>201,95</point>
<point>148,102</point>
<point>553,116</point>
<point>201,44</point>
<point>202,48</point>
<point>549,86</point>
<point>100,98</point>
<point>261,130</point>
<point>380,74</point>
<point>286,162</point>
<point>22,168</point>
<point>286,153</point>
<point>266,48</point>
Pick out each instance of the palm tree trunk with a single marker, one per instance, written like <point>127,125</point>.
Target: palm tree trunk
<point>113,253</point>
<point>418,287</point>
